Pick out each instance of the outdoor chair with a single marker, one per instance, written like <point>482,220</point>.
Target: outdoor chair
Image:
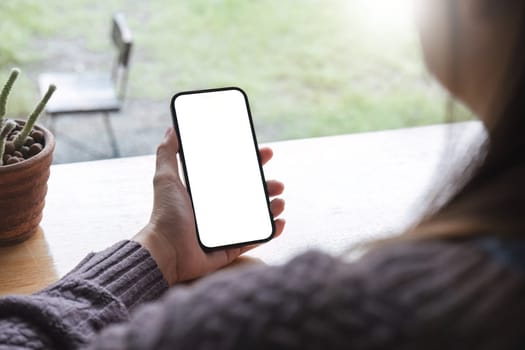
<point>93,92</point>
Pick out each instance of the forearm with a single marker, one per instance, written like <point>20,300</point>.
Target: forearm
<point>101,290</point>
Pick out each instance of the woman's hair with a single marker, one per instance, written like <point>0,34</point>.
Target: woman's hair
<point>490,197</point>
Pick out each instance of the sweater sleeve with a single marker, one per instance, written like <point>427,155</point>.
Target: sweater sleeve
<point>411,296</point>
<point>101,290</point>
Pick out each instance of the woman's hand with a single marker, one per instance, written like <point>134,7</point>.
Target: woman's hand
<point>170,236</point>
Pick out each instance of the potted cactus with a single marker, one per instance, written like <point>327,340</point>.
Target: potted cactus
<point>26,152</point>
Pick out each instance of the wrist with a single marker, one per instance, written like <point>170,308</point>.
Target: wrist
<point>161,251</point>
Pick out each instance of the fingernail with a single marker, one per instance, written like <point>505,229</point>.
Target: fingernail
<point>168,131</point>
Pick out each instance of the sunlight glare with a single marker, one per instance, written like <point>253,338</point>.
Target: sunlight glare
<point>387,15</point>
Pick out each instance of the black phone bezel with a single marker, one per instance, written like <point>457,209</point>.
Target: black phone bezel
<point>186,180</point>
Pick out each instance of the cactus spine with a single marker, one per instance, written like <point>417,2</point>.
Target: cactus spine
<point>4,133</point>
<point>5,92</point>
<point>21,138</point>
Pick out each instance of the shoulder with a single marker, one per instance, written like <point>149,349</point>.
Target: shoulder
<point>458,293</point>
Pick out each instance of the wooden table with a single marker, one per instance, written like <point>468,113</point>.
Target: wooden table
<point>339,190</point>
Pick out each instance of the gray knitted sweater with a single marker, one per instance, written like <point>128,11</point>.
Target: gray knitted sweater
<point>433,295</point>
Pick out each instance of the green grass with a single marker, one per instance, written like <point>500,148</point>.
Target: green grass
<point>16,31</point>
<point>310,67</point>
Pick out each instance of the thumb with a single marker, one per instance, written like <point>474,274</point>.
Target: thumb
<point>167,154</point>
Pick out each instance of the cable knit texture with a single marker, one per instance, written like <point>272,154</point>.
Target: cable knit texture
<point>426,295</point>
<point>101,290</point>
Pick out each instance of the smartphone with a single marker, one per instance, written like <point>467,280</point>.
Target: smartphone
<point>222,167</point>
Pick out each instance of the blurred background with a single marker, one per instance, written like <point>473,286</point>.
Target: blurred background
<point>310,67</point>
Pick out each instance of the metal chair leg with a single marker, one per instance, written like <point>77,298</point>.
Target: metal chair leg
<point>111,134</point>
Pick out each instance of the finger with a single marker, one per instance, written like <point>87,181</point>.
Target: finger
<point>279,227</point>
<point>277,207</point>
<point>228,255</point>
<point>167,155</point>
<point>274,187</point>
<point>266,154</point>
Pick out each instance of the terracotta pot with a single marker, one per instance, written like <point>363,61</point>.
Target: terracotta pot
<point>23,188</point>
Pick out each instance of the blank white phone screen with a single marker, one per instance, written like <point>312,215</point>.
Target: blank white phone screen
<point>223,172</point>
